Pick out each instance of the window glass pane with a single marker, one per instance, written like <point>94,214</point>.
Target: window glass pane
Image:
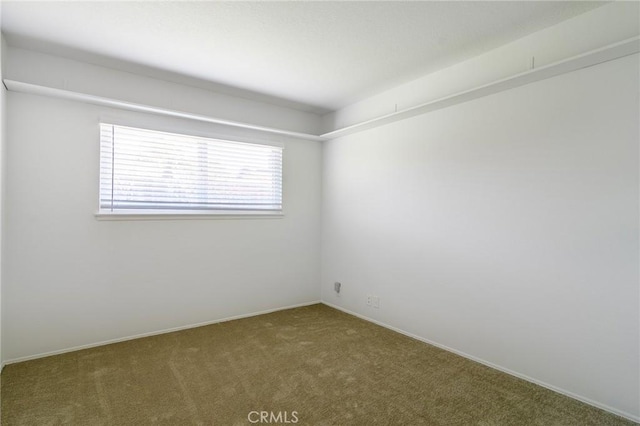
<point>157,171</point>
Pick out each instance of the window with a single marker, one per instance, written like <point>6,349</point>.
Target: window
<point>145,171</point>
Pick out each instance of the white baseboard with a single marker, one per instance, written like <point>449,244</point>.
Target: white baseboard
<point>492,365</point>
<point>153,333</point>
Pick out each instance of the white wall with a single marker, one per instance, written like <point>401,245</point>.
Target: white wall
<point>2,142</point>
<point>505,228</point>
<point>59,73</point>
<point>615,22</point>
<point>72,280</point>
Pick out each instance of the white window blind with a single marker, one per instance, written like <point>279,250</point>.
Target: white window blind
<point>147,171</point>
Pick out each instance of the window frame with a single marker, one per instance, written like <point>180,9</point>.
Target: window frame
<point>169,214</point>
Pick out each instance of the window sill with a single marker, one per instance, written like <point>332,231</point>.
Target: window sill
<point>129,215</point>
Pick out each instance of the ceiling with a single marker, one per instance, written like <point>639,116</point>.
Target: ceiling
<point>319,56</point>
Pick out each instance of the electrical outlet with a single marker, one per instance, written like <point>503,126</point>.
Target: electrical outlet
<point>375,302</point>
<point>369,297</point>
<point>336,287</point>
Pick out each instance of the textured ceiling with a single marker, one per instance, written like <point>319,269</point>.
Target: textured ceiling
<point>321,54</point>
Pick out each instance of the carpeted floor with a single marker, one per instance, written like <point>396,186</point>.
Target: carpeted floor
<point>307,366</point>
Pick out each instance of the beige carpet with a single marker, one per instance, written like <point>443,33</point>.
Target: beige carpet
<point>314,364</point>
